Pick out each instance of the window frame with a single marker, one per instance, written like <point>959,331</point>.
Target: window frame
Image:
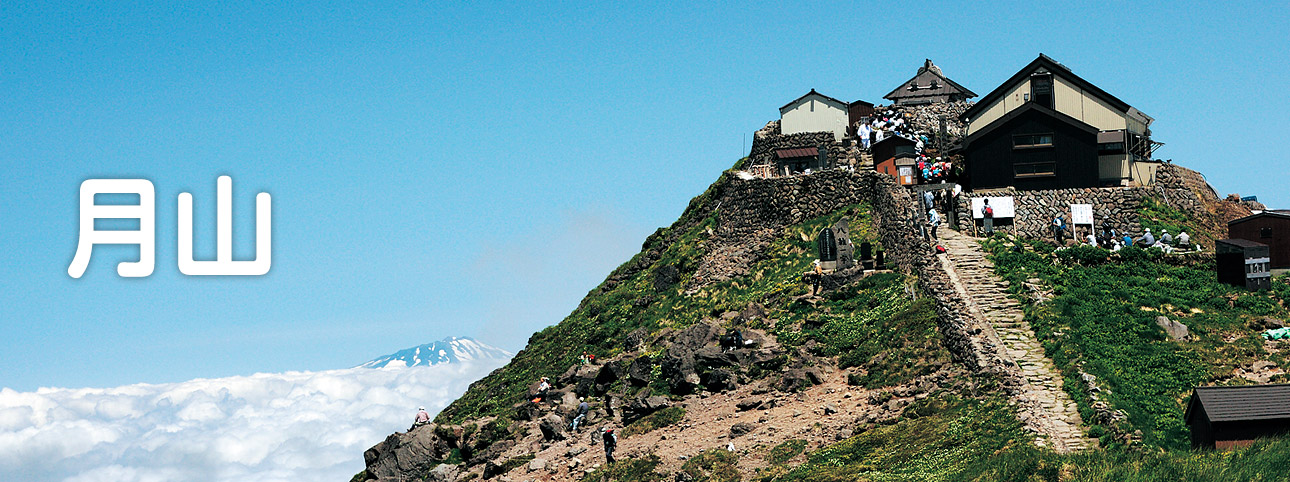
<point>1032,141</point>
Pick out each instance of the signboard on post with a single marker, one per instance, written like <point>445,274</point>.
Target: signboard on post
<point>1002,205</point>
<point>1081,214</point>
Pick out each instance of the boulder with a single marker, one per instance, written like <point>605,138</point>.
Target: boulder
<point>537,464</point>
<point>720,380</point>
<point>552,427</point>
<point>741,428</point>
<point>443,473</point>
<point>642,406</point>
<point>1176,331</point>
<point>638,373</point>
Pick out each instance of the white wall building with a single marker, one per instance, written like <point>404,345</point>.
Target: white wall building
<point>814,112</point>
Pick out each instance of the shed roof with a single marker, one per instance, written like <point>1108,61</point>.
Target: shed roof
<point>928,72</point>
<point>1275,214</point>
<point>1244,402</point>
<point>808,94</point>
<point>1242,243</point>
<point>797,152</point>
<point>1059,70</point>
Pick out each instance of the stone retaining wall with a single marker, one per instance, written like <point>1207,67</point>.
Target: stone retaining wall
<point>1035,210</point>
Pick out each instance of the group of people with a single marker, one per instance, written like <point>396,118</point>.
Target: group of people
<point>1114,241</point>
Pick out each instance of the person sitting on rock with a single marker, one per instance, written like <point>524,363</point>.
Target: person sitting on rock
<point>542,389</point>
<point>423,418</point>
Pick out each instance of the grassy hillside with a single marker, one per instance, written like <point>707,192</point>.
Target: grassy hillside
<point>1102,320</point>
<point>603,321</point>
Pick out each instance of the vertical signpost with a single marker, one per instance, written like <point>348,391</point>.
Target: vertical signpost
<point>1082,214</point>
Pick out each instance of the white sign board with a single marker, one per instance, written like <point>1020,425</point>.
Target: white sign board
<point>1002,207</point>
<point>1082,214</point>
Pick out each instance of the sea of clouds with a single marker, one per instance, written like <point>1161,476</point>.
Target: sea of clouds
<point>294,426</point>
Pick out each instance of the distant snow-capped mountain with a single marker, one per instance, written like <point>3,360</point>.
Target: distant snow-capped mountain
<point>454,349</point>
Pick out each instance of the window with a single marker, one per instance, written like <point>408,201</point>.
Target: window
<point>1041,89</point>
<point>1265,233</point>
<point>1026,141</point>
<point>1035,169</point>
<point>1110,148</point>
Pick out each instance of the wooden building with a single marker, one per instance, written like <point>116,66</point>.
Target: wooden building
<point>856,112</point>
<point>814,112</point>
<point>1243,263</point>
<point>928,86</point>
<point>895,155</point>
<point>1268,227</point>
<point>1047,128</point>
<point>1227,417</point>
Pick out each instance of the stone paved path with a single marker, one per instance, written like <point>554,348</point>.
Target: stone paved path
<point>1044,406</point>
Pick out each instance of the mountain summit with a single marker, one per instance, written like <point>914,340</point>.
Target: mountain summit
<point>453,349</point>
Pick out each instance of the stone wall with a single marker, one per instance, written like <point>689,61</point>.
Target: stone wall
<point>1035,210</point>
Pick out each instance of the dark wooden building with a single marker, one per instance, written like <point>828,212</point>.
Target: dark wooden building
<point>1047,128</point>
<point>1268,227</point>
<point>928,86</point>
<point>1228,417</point>
<point>1032,147</point>
<point>1243,263</point>
<point>856,112</point>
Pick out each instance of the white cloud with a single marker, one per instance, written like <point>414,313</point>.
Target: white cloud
<point>266,427</point>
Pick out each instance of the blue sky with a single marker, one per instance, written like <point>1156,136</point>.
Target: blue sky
<point>473,169</point>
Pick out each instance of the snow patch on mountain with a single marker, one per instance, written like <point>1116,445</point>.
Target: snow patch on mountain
<point>454,349</point>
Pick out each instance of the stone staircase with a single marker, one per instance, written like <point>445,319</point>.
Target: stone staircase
<point>1044,406</point>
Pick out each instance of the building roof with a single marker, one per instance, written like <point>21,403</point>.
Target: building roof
<point>1243,402</point>
<point>1027,107</point>
<point>1242,243</point>
<point>808,94</point>
<point>927,73</point>
<point>892,138</point>
<point>1046,62</point>
<point>797,152</point>
<point>1276,214</point>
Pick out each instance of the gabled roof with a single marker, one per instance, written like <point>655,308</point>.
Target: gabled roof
<point>1018,112</point>
<point>928,72</point>
<point>808,94</point>
<point>893,138</point>
<point>1242,402</point>
<point>1275,214</point>
<point>1047,63</point>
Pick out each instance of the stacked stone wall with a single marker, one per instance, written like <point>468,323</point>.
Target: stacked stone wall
<point>1116,207</point>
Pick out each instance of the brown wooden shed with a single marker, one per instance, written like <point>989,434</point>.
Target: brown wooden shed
<point>1269,227</point>
<point>1228,417</point>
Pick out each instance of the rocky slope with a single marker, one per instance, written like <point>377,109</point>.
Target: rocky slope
<point>899,373</point>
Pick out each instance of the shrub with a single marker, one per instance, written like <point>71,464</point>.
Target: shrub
<point>712,465</point>
<point>785,451</point>
<point>628,470</point>
<point>654,421</point>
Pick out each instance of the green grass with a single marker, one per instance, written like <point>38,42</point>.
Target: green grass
<point>953,438</point>
<point>655,421</point>
<point>712,465</point>
<point>785,451</point>
<point>629,470</point>
<point>1102,319</point>
<point>629,300</point>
